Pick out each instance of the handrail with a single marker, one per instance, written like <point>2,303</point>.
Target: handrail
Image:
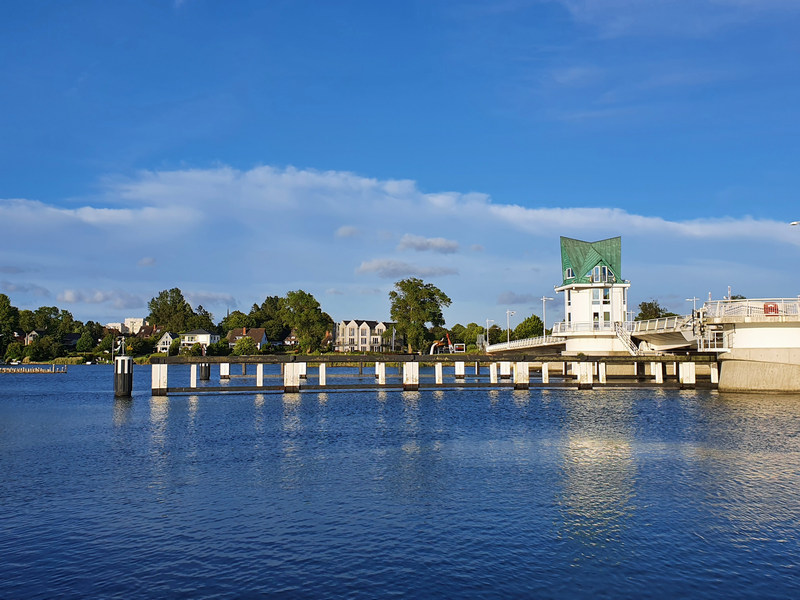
<point>752,307</point>
<point>544,340</point>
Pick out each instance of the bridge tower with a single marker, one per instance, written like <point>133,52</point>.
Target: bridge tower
<point>595,298</point>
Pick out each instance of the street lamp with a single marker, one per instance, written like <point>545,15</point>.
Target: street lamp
<point>544,315</point>
<point>508,324</point>
<point>487,329</point>
<point>693,300</point>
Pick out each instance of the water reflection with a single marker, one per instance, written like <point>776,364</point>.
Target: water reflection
<point>122,411</point>
<point>159,413</point>
<point>598,474</point>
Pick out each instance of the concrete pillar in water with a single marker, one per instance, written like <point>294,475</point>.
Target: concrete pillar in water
<point>601,372</point>
<point>158,380</point>
<point>460,368</point>
<point>585,371</point>
<point>714,372</point>
<point>303,370</point>
<point>477,368</point>
<point>323,373</point>
<point>380,372</point>
<point>410,375</point>
<point>224,371</point>
<point>522,377</point>
<point>439,376</point>
<point>545,372</point>
<point>123,376</point>
<point>658,371</point>
<point>505,370</point>
<point>205,371</point>
<point>493,373</point>
<point>687,375</point>
<point>260,374</point>
<point>193,375</point>
<point>291,377</point>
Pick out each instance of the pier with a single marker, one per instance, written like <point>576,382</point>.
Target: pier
<point>299,373</point>
<point>33,369</point>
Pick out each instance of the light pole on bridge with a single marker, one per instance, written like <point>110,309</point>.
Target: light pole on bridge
<point>508,324</point>
<point>544,315</point>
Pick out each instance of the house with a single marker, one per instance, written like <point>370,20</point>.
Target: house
<point>70,340</point>
<point>257,334</point>
<point>133,325</point>
<point>364,336</point>
<point>198,336</point>
<point>148,331</point>
<point>33,335</point>
<point>291,339</point>
<point>165,341</point>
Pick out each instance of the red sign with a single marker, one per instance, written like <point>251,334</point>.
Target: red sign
<point>771,308</point>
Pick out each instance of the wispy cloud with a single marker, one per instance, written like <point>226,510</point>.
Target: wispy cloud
<point>116,298</point>
<point>25,288</point>
<point>513,298</point>
<point>346,231</point>
<point>388,268</point>
<point>207,299</point>
<point>146,261</point>
<point>423,244</point>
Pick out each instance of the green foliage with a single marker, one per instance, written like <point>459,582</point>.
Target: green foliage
<point>85,343</point>
<point>106,343</point>
<point>457,333</point>
<point>245,346</point>
<point>193,350</point>
<point>220,348</point>
<point>9,322</point>
<point>15,351</point>
<point>139,346</point>
<point>303,314</point>
<point>43,349</point>
<point>652,310</point>
<point>271,316</point>
<point>236,320</point>
<point>170,310</point>
<point>530,327</point>
<point>496,334</point>
<point>415,303</point>
<point>27,320</point>
<point>201,319</point>
<point>175,347</point>
<point>471,333</point>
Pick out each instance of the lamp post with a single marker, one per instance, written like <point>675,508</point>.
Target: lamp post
<point>693,300</point>
<point>508,324</point>
<point>487,329</point>
<point>544,315</point>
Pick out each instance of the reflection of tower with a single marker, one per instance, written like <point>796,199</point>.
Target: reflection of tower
<point>598,475</point>
<point>595,296</point>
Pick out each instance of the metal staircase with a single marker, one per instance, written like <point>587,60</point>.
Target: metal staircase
<point>625,337</point>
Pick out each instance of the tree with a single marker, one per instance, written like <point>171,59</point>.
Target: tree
<point>44,348</point>
<point>303,314</point>
<point>220,348</point>
<point>270,316</point>
<point>457,333</point>
<point>497,334</point>
<point>201,319</point>
<point>47,319</point>
<point>652,310</point>
<point>471,333</point>
<point>415,303</point>
<point>235,320</point>
<point>170,310</point>
<point>245,346</point>
<point>174,347</point>
<point>15,351</point>
<point>530,327</point>
<point>85,343</point>
<point>9,322</point>
<point>27,320</point>
<point>106,343</point>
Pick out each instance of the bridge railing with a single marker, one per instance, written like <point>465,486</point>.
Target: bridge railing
<point>544,340</point>
<point>582,327</point>
<point>661,324</point>
<point>752,307</point>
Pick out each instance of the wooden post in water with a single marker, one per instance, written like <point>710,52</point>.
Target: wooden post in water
<point>686,375</point>
<point>505,370</point>
<point>205,371</point>
<point>545,372</point>
<point>493,373</point>
<point>291,377</point>
<point>657,370</point>
<point>224,371</point>
<point>193,375</point>
<point>260,374</point>
<point>123,376</point>
<point>477,368</point>
<point>438,370</point>
<point>380,372</point>
<point>601,372</point>
<point>158,380</point>
<point>303,373</point>
<point>522,377</point>
<point>585,372</point>
<point>323,374</point>
<point>411,375</point>
<point>460,369</point>
<point>714,372</point>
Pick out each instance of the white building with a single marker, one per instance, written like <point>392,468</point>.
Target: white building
<point>198,336</point>
<point>364,336</point>
<point>595,298</point>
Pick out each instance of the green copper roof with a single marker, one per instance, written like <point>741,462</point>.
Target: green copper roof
<point>582,257</point>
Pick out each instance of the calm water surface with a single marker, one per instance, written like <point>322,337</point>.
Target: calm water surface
<point>541,494</point>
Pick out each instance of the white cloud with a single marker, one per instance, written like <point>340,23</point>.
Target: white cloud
<point>146,261</point>
<point>116,298</point>
<point>423,244</point>
<point>388,268</point>
<point>25,288</point>
<point>346,231</point>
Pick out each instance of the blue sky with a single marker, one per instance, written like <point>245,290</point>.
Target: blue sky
<point>244,149</point>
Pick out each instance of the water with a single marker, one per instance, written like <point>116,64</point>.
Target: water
<point>480,494</point>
